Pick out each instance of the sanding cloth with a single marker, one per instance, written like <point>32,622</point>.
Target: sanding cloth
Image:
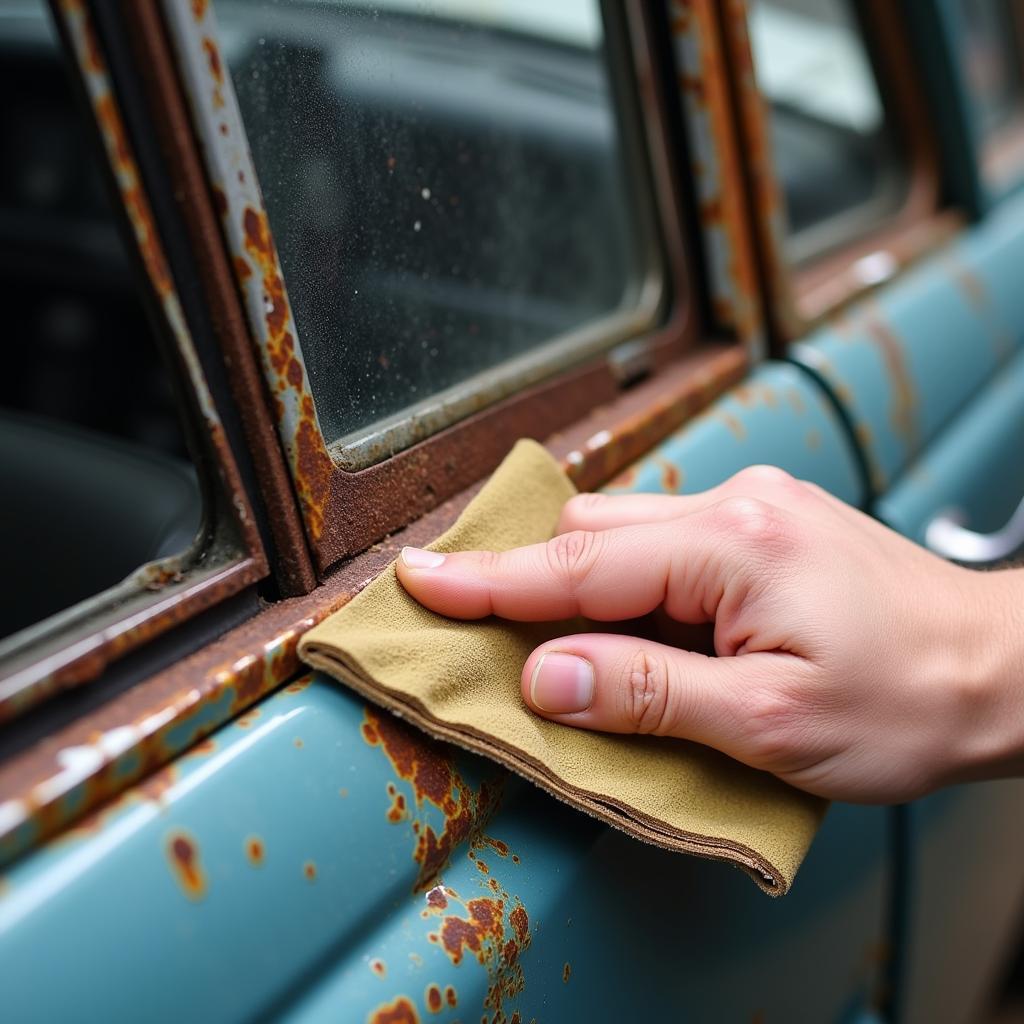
<point>459,681</point>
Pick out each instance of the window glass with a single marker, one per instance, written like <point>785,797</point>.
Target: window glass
<point>95,474</point>
<point>991,55</point>
<point>447,189</point>
<point>833,153</point>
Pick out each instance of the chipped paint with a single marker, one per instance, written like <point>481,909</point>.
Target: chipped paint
<point>183,858</point>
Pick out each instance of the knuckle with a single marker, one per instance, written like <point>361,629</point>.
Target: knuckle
<point>647,693</point>
<point>762,478</point>
<point>752,522</point>
<point>770,721</point>
<point>571,556</point>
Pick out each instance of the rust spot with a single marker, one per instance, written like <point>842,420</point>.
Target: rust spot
<point>299,685</point>
<point>343,792</point>
<point>309,870</point>
<point>671,477</point>
<point>814,440</point>
<point>183,857</point>
<point>482,867</point>
<point>254,851</point>
<point>242,269</point>
<point>450,996</point>
<point>795,399</point>
<point>401,1011</point>
<point>199,9</point>
<point>379,968</point>
<point>566,971</point>
<point>433,999</point>
<point>245,720</point>
<point>500,848</point>
<point>397,811</point>
<point>515,858</point>
<point>298,742</point>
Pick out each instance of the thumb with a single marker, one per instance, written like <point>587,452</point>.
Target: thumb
<point>623,684</point>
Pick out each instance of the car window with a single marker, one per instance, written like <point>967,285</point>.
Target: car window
<point>838,167</point>
<point>448,194</point>
<point>96,477</point>
<point>991,57</point>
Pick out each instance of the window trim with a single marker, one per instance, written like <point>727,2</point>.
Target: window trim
<point>74,646</point>
<point>346,512</point>
<point>803,295</point>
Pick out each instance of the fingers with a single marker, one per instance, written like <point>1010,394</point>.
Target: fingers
<point>686,565</point>
<point>623,684</point>
<point>765,483</point>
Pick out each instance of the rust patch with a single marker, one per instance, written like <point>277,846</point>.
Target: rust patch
<point>199,9</point>
<point>450,996</point>
<point>480,932</point>
<point>435,779</point>
<point>500,848</point>
<point>379,968</point>
<point>904,399</point>
<point>401,1011</point>
<point>183,857</point>
<point>245,720</point>
<point>254,851</point>
<point>566,972</point>
<point>433,999</point>
<point>732,422</point>
<point>309,870</point>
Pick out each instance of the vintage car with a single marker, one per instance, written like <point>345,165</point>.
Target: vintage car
<point>283,281</point>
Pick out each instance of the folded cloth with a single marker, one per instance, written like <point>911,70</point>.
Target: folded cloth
<point>459,681</point>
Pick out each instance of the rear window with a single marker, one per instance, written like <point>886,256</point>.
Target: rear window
<point>839,168</point>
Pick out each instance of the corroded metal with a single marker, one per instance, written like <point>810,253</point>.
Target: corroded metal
<point>79,643</point>
<point>716,168</point>
<point>218,122</point>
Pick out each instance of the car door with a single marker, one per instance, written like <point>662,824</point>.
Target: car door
<point>302,854</point>
<point>921,354</point>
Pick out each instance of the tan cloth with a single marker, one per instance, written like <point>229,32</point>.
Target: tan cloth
<point>460,681</point>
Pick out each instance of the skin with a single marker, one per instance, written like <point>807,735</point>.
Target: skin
<point>849,661</point>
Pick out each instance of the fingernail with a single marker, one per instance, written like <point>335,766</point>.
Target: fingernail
<point>417,558</point>
<point>562,684</point>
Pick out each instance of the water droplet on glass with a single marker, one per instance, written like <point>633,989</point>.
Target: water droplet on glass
<point>425,192</point>
<point>416,225</point>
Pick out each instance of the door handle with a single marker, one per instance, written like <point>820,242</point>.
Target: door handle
<point>946,535</point>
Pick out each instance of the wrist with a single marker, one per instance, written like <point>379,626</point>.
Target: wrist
<point>988,677</point>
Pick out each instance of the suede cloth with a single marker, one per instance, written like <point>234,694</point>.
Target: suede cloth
<point>459,681</point>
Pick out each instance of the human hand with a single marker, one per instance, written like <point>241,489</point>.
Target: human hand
<point>850,662</point>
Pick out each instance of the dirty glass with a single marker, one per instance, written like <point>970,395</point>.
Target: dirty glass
<point>448,192</point>
<point>990,49</point>
<point>96,479</point>
<point>834,156</point>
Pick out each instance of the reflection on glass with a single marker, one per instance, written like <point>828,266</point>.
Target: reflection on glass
<point>991,56</point>
<point>96,479</point>
<point>832,152</point>
<point>444,182</point>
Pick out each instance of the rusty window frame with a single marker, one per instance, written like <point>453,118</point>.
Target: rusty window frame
<point>346,512</point>
<point>802,295</point>
<point>74,646</point>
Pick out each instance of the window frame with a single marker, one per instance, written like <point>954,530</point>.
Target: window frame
<point>803,294</point>
<point>76,645</point>
<point>345,512</point>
